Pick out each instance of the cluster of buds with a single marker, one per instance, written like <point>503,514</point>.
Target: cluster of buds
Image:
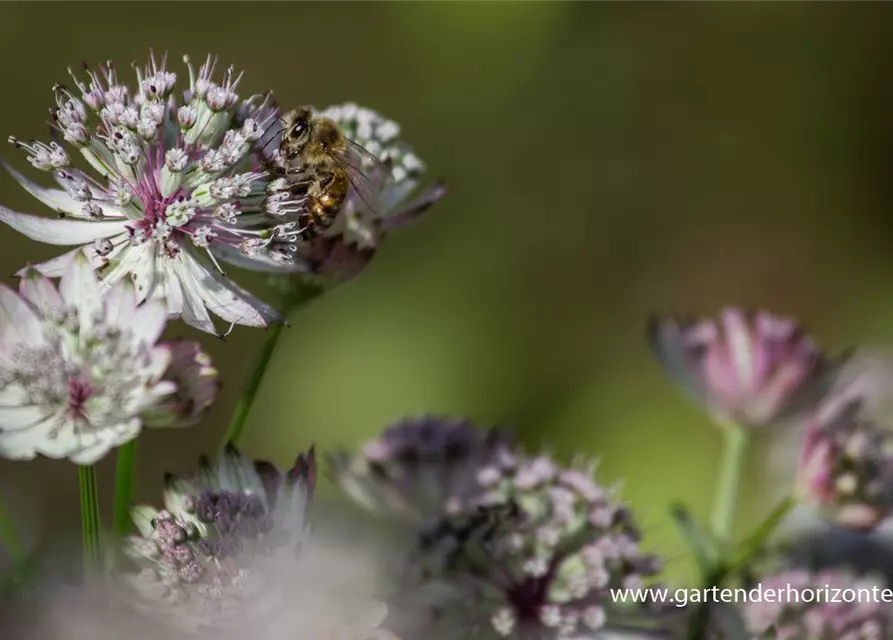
<point>418,467</point>
<point>530,548</point>
<point>829,605</point>
<point>217,549</point>
<point>846,459</point>
<point>542,545</point>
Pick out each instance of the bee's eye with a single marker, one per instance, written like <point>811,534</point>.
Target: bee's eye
<point>298,128</point>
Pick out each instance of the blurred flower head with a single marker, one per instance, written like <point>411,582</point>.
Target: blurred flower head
<point>217,553</point>
<point>231,556</point>
<point>535,552</point>
<point>846,455</point>
<point>180,189</point>
<point>813,608</point>
<point>358,231</point>
<point>419,466</point>
<point>750,369</point>
<point>83,371</point>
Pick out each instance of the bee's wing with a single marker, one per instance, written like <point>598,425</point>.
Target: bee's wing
<point>368,175</point>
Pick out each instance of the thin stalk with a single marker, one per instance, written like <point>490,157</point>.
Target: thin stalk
<point>10,539</point>
<point>255,377</point>
<point>297,295</point>
<point>124,468</point>
<point>730,473</point>
<point>90,523</point>
<point>722,518</point>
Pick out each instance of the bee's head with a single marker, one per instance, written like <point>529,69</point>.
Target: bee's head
<point>327,136</point>
<point>296,129</point>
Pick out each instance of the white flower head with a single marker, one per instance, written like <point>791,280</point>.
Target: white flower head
<point>166,162</point>
<point>82,370</point>
<point>232,553</point>
<point>365,219</point>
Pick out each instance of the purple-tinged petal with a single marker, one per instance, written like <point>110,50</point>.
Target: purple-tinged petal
<point>134,263</point>
<point>415,208</point>
<point>55,267</point>
<point>225,298</point>
<point>40,291</point>
<point>260,263</point>
<point>19,322</point>
<point>336,261</point>
<point>194,312</point>
<point>79,287</point>
<point>196,381</point>
<point>58,200</point>
<point>304,471</point>
<point>753,369</point>
<point>61,231</point>
<point>121,304</point>
<point>148,322</point>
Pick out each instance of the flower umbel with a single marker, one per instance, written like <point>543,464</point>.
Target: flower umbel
<point>358,231</point>
<point>749,369</point>
<point>82,371</point>
<point>535,552</point>
<point>846,456</point>
<point>181,187</point>
<point>213,557</point>
<point>813,615</point>
<point>419,466</point>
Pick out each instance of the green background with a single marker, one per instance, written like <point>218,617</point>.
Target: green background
<point>609,160</point>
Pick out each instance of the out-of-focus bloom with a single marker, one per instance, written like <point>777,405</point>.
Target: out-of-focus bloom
<point>750,369</point>
<point>197,386</point>
<point>180,188</point>
<point>231,556</point>
<point>210,557</point>
<point>418,467</point>
<point>824,606</point>
<point>83,371</point>
<point>846,456</point>
<point>358,231</point>
<point>535,552</point>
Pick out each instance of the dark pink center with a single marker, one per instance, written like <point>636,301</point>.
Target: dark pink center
<point>79,391</point>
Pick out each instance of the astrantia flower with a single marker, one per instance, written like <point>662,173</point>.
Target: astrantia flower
<point>82,371</point>
<point>180,187</point>
<point>750,369</point>
<point>419,466</point>
<point>355,236</point>
<point>846,458</point>
<point>232,555</point>
<point>536,551</point>
<point>206,557</point>
<point>825,606</point>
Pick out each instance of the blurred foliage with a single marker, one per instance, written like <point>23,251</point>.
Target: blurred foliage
<point>609,160</point>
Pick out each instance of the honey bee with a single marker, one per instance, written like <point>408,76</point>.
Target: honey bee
<point>326,163</point>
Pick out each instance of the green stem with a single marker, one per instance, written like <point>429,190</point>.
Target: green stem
<point>731,470</point>
<point>240,416</point>
<point>124,466</point>
<point>295,295</point>
<point>90,523</point>
<point>10,539</point>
